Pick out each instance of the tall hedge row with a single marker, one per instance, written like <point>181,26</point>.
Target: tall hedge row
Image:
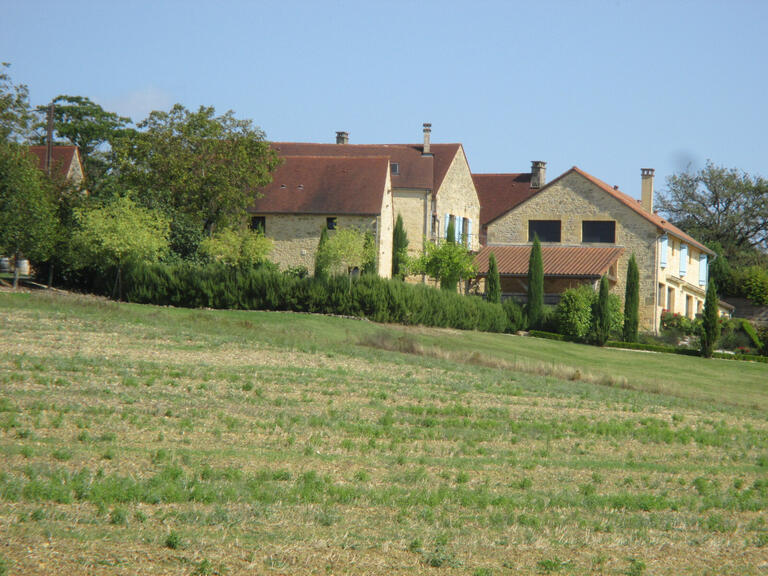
<point>217,286</point>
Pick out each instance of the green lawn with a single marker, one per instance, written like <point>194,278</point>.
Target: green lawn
<point>158,440</point>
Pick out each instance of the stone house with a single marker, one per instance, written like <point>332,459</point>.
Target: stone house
<point>64,162</point>
<point>309,193</point>
<point>589,229</point>
<point>431,184</point>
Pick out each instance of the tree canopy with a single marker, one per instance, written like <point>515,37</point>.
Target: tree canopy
<point>721,205</point>
<point>196,164</point>
<point>15,113</point>
<point>447,262</point>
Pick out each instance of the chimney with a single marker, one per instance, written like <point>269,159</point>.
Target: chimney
<point>342,137</point>
<point>538,174</point>
<point>427,131</point>
<point>646,189</point>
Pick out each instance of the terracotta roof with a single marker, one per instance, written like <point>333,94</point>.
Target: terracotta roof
<point>574,261</point>
<point>499,193</point>
<point>62,157</point>
<point>415,169</point>
<point>325,185</point>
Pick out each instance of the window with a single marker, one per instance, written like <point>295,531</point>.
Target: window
<point>598,231</point>
<point>259,223</point>
<point>330,222</point>
<point>546,230</point>
<point>394,167</point>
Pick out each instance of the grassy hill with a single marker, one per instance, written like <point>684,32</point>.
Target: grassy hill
<point>156,440</point>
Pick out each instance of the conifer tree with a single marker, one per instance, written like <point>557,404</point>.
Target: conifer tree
<point>710,329</point>
<point>321,262</point>
<point>493,282</point>
<point>535,306</point>
<point>450,232</point>
<point>631,301</point>
<point>601,314</point>
<point>399,249</point>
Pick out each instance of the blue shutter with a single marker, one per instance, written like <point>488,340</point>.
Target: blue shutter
<point>683,259</point>
<point>459,222</point>
<point>703,270</point>
<point>663,249</point>
<point>469,233</point>
<point>447,221</point>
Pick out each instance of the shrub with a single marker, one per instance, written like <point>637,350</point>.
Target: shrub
<point>574,313</point>
<point>515,315</point>
<point>756,285</point>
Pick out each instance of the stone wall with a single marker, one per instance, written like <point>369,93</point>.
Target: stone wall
<point>573,199</point>
<point>457,196</point>
<point>411,205</point>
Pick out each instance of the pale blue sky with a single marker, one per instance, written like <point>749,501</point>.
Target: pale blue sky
<point>609,86</point>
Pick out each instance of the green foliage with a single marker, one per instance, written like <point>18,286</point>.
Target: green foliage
<point>399,250</point>
<point>601,314</point>
<point>237,247</point>
<point>344,250</point>
<point>447,262</point>
<point>321,262</point>
<point>450,231</point>
<point>710,331</point>
<point>493,281</point>
<point>535,304</point>
<point>88,126</point>
<point>117,233</point>
<point>204,166</point>
<point>631,301</point>
<point>185,284</point>
<point>28,221</point>
<point>720,270</point>
<point>720,205</point>
<point>15,113</point>
<point>515,315</point>
<point>755,285</point>
<point>574,313</point>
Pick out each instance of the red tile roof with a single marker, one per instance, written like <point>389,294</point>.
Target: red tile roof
<point>499,193</point>
<point>62,157</point>
<point>325,185</point>
<point>573,261</point>
<point>415,169</point>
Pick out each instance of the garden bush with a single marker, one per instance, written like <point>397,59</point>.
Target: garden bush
<point>573,316</point>
<point>515,315</point>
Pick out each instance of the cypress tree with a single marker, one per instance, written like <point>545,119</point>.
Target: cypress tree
<point>450,232</point>
<point>631,301</point>
<point>535,306</point>
<point>710,329</point>
<point>321,266</point>
<point>493,282</point>
<point>399,249</point>
<point>601,315</point>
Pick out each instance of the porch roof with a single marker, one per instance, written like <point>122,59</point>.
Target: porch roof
<point>561,261</point>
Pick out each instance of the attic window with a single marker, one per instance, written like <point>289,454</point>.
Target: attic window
<point>283,186</point>
<point>394,167</point>
<point>330,222</point>
<point>546,230</point>
<point>598,231</point>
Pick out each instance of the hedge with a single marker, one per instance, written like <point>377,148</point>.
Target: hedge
<point>369,296</point>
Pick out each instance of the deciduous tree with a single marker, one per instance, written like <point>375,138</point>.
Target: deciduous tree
<point>244,248</point>
<point>447,262</point>
<point>15,113</point>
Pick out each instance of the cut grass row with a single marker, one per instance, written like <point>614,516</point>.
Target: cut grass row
<point>190,441</point>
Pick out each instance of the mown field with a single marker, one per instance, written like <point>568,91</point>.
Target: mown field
<point>137,439</point>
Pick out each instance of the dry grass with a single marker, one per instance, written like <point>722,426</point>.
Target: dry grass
<point>263,450</point>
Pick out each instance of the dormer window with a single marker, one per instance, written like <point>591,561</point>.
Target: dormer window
<point>394,167</point>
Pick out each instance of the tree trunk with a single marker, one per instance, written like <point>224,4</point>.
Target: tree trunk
<point>50,274</point>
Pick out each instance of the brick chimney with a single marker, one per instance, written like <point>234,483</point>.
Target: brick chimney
<point>646,189</point>
<point>538,174</point>
<point>342,137</point>
<point>427,131</point>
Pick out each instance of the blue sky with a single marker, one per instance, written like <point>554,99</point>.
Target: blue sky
<point>609,86</point>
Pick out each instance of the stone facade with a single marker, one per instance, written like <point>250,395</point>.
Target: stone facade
<point>573,199</point>
<point>413,206</point>
<point>457,196</point>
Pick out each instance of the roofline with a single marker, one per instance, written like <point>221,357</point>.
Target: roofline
<point>294,212</point>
